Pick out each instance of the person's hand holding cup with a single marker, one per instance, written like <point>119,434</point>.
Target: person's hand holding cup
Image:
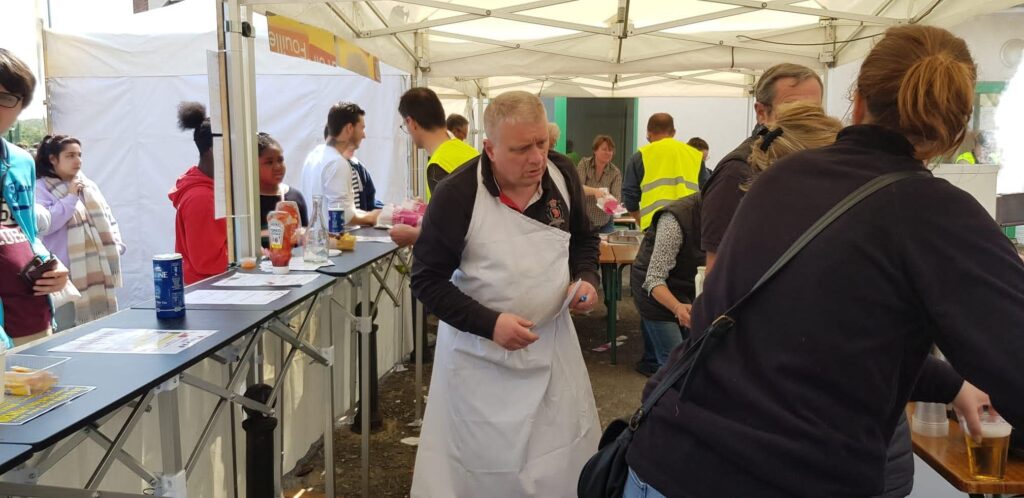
<point>987,452</point>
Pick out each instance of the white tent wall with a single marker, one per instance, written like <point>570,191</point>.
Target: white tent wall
<point>723,122</point>
<point>123,110</point>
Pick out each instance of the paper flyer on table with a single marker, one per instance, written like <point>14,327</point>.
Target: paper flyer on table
<point>16,410</point>
<point>264,280</point>
<point>373,238</point>
<point>135,341</point>
<point>211,296</point>
<point>296,264</point>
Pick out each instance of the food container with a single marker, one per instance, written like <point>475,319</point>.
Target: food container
<point>631,237</point>
<point>280,248</point>
<point>27,374</point>
<point>292,223</point>
<point>347,242</point>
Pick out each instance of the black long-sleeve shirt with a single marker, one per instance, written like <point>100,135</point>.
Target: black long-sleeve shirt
<point>722,193</point>
<point>801,398</point>
<point>438,251</point>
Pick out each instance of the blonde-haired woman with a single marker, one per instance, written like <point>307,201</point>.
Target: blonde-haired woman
<point>798,126</point>
<point>802,396</point>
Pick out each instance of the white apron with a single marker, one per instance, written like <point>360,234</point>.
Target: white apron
<point>509,423</point>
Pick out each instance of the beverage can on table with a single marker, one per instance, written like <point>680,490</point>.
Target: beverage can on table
<point>168,286</point>
<point>335,218</point>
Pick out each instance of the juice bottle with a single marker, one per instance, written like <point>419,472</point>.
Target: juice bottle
<point>280,245</point>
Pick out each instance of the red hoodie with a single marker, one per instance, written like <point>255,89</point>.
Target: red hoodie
<point>201,240</point>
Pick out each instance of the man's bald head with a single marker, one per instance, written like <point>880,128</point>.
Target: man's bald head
<point>660,125</point>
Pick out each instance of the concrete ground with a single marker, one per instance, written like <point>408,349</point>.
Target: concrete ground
<point>616,391</point>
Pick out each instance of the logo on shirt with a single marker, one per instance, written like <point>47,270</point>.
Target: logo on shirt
<point>555,213</point>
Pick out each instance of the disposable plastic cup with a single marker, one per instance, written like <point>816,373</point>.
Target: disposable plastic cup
<point>987,458</point>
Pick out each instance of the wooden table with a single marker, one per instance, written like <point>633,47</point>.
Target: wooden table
<point>627,221</point>
<point>614,257</point>
<point>948,456</point>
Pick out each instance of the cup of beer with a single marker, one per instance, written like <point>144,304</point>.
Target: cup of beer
<point>987,458</point>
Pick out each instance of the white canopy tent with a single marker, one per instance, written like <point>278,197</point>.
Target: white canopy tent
<point>615,48</point>
<point>107,86</point>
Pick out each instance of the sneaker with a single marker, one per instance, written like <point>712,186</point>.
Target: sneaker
<point>645,369</point>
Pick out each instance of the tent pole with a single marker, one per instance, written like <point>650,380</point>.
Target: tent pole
<point>479,121</point>
<point>419,79</point>
<point>225,100</point>
<point>238,109</point>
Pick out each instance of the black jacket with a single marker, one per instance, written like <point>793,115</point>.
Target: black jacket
<point>686,211</point>
<point>802,397</point>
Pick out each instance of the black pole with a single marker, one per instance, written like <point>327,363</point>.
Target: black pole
<point>376,420</point>
<point>259,445</point>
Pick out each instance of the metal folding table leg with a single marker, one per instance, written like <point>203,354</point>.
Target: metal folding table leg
<point>420,333</point>
<point>365,328</point>
<point>611,301</point>
<point>172,479</point>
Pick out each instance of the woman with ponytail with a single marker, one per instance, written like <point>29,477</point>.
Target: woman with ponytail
<point>201,240</point>
<point>802,396</point>
<point>82,230</point>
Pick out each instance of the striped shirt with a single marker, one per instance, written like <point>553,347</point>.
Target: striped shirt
<point>610,179</point>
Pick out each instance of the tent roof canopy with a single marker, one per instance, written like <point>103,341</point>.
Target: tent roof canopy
<point>615,47</point>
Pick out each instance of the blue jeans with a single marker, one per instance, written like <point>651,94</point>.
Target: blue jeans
<point>660,338</point>
<point>608,227</point>
<point>635,488</point>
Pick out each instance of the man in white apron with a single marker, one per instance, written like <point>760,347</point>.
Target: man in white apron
<point>506,250</point>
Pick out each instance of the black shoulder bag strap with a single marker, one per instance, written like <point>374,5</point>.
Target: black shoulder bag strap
<point>688,361</point>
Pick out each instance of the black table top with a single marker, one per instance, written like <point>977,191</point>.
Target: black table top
<point>283,303</point>
<point>119,378</point>
<point>365,254</point>
<point>12,455</point>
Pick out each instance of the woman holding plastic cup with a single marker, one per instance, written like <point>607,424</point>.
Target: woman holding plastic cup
<point>801,396</point>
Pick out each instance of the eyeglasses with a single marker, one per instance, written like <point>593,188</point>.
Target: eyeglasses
<point>404,128</point>
<point>9,100</point>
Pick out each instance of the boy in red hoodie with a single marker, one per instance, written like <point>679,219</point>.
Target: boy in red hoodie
<point>201,239</point>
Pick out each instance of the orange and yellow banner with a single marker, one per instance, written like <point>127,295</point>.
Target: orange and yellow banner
<point>293,38</point>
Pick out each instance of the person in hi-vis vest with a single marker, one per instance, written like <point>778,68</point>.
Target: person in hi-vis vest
<point>425,123</point>
<point>660,172</point>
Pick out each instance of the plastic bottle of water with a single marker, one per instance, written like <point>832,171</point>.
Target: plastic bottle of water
<point>315,241</point>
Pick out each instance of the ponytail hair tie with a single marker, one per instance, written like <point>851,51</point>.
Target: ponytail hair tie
<point>770,137</point>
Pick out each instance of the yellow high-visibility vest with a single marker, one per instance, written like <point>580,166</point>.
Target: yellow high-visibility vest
<point>671,170</point>
<point>450,155</point>
<point>966,157</point>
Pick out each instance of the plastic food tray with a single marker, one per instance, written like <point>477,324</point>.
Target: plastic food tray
<point>40,366</point>
<point>630,237</point>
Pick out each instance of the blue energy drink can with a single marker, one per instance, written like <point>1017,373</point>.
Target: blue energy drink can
<point>335,220</point>
<point>169,286</point>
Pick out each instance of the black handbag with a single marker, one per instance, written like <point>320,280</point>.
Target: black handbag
<point>605,474</point>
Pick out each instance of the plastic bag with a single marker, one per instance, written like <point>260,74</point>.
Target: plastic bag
<point>610,205</point>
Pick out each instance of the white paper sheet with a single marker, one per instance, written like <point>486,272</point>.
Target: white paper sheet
<point>135,341</point>
<point>296,264</point>
<point>264,280</point>
<point>372,238</point>
<point>210,296</point>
